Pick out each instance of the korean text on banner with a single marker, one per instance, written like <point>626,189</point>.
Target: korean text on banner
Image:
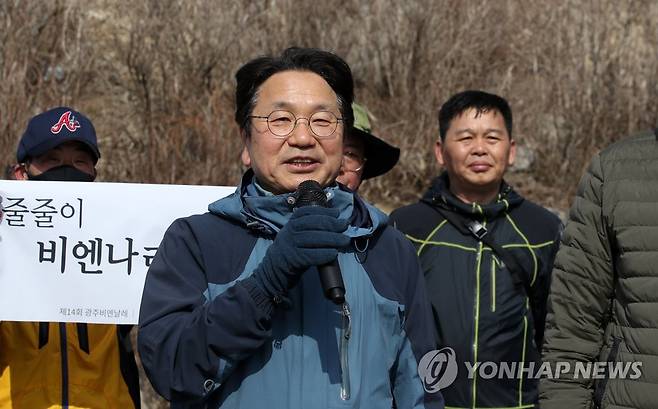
<point>79,252</point>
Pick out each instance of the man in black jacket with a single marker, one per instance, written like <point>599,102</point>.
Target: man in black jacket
<point>487,255</point>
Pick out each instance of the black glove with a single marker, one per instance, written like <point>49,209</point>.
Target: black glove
<point>312,237</point>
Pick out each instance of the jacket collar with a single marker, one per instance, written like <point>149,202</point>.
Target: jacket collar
<point>264,212</point>
<point>439,194</point>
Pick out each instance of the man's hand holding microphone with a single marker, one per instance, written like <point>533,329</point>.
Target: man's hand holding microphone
<point>312,237</point>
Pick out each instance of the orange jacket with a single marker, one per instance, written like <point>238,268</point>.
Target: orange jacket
<point>96,369</point>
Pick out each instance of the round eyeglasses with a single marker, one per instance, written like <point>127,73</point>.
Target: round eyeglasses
<point>323,124</point>
<point>352,161</point>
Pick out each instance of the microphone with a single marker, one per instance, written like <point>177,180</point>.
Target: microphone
<point>310,193</point>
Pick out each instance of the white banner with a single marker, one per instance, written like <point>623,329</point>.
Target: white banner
<point>79,252</point>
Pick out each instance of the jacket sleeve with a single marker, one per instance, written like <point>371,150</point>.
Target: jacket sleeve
<point>188,342</point>
<point>420,330</point>
<point>540,290</point>
<point>580,296</point>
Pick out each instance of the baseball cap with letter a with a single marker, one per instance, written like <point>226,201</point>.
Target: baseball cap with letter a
<point>55,127</point>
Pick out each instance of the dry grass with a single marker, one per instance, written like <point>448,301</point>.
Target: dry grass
<point>158,80</point>
<point>156,77</point>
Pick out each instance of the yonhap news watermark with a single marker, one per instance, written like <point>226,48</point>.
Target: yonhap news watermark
<point>438,369</point>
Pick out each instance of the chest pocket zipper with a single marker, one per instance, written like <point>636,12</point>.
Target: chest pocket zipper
<point>345,334</point>
<point>494,263</point>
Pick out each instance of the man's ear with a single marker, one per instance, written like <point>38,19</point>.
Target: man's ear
<point>20,171</point>
<point>438,152</point>
<point>512,153</point>
<point>244,155</point>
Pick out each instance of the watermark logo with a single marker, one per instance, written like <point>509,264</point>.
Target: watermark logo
<point>561,369</point>
<point>438,369</point>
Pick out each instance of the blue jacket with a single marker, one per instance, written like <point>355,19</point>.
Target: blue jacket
<point>208,338</point>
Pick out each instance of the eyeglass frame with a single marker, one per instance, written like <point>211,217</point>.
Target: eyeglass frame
<point>308,122</point>
<point>358,169</point>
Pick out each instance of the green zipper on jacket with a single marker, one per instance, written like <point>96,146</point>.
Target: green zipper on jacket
<point>345,333</point>
<point>477,321</point>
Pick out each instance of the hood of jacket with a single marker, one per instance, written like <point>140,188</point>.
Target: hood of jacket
<point>439,194</point>
<point>259,210</point>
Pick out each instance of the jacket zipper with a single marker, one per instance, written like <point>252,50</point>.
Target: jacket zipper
<point>345,333</point>
<point>599,391</point>
<point>477,319</point>
<point>65,366</point>
<point>494,261</point>
<point>477,310</point>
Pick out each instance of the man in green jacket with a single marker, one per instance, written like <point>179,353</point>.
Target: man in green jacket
<point>487,254</point>
<point>602,324</point>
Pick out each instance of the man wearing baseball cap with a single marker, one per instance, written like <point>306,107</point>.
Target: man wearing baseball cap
<point>365,156</point>
<point>64,365</point>
<point>58,145</point>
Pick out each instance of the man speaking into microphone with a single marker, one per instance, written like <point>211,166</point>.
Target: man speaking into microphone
<point>292,292</point>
